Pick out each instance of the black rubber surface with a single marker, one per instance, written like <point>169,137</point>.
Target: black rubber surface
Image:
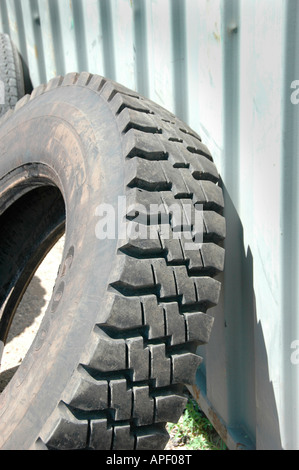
<point>118,342</point>
<point>11,74</point>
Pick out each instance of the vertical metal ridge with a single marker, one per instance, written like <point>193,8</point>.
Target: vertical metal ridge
<point>290,225</point>
<point>233,297</point>
<point>4,17</point>
<point>108,42</point>
<point>21,31</point>
<point>56,37</point>
<point>179,52</point>
<point>80,36</point>
<point>230,24</point>
<point>141,47</point>
<point>39,47</point>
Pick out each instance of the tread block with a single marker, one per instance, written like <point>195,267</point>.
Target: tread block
<point>152,440</point>
<point>146,205</point>
<point>164,278</point>
<point>208,290</point>
<point>160,365</point>
<point>84,79</point>
<point>214,224</point>
<point>70,79</point>
<point>185,285</point>
<point>110,353</point>
<point>212,256</point>
<point>6,116</point>
<point>90,394</point>
<point>184,367</point>
<point>100,435</point>
<point>169,408</point>
<point>54,83</point>
<point>131,119</point>
<point>135,273</point>
<point>201,167</point>
<point>121,101</point>
<point>177,211</point>
<point>193,187</point>
<point>189,214</point>
<point>122,438</point>
<point>138,358</point>
<point>173,209</point>
<point>68,433</point>
<point>184,128</point>
<point>121,399</point>
<point>176,155</point>
<point>37,91</point>
<point>199,326</point>
<point>140,144</point>
<point>161,112</point>
<point>111,89</point>
<point>22,102</point>
<point>146,174</point>
<point>171,243</point>
<point>141,239</point>
<point>143,406</point>
<point>195,146</point>
<point>124,312</point>
<point>153,316</point>
<point>175,323</point>
<point>192,254</point>
<point>96,83</point>
<point>174,177</point>
<point>213,194</point>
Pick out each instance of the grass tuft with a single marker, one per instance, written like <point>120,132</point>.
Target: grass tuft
<point>194,431</point>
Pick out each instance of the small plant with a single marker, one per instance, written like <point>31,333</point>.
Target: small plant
<point>194,430</point>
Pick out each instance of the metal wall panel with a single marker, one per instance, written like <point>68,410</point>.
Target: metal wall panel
<point>227,68</point>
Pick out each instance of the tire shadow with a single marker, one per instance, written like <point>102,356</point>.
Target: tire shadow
<point>6,376</point>
<point>234,386</point>
<point>30,307</point>
<point>23,330</point>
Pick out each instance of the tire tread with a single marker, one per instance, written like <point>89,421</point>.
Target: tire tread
<point>159,292</point>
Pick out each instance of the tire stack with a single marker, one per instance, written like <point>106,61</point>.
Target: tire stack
<point>11,75</point>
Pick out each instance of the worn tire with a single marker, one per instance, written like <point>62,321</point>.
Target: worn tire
<point>11,74</point>
<point>118,341</point>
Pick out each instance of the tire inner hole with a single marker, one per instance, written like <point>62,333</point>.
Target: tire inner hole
<point>47,238</point>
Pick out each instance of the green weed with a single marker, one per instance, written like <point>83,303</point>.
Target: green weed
<point>194,430</point>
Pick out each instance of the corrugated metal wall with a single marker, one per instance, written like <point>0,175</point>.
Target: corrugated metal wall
<point>229,69</point>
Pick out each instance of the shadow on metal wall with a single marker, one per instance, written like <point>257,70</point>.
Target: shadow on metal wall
<point>234,387</point>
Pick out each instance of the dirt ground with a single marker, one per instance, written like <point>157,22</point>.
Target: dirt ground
<point>30,313</point>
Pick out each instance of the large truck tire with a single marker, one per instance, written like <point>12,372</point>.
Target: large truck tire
<point>117,345</point>
<point>12,82</point>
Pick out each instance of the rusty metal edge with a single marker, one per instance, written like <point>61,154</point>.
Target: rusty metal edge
<point>235,438</point>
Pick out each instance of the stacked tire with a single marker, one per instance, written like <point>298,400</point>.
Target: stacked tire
<point>12,83</point>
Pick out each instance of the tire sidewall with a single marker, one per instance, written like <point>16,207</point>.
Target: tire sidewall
<point>65,132</point>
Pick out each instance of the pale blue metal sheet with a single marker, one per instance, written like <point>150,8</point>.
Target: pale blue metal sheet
<point>226,67</point>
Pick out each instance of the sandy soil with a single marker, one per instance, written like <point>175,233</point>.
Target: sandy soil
<point>30,313</point>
